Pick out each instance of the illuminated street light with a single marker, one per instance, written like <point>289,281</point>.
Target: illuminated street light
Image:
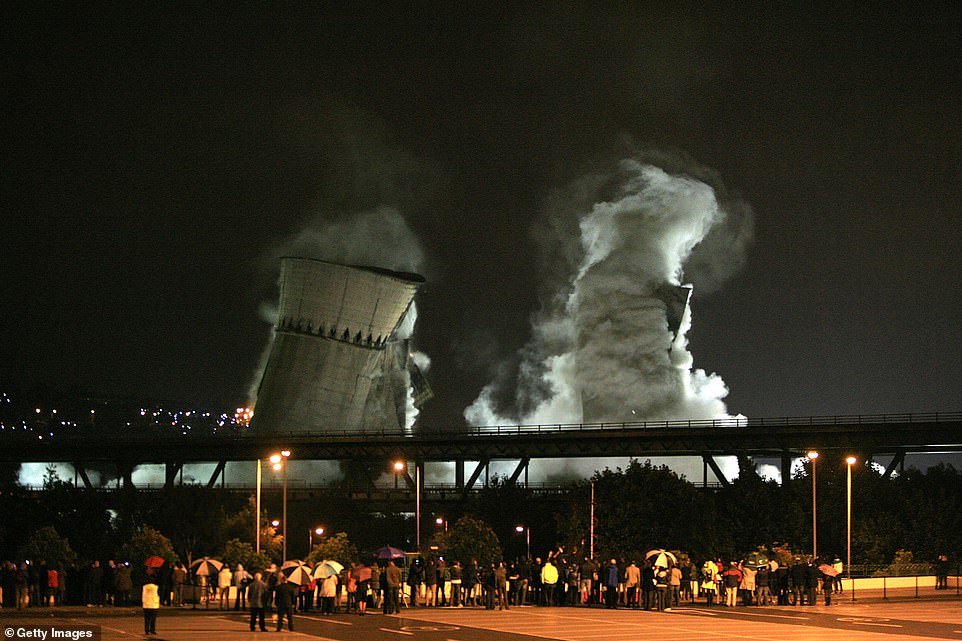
<point>527,535</point>
<point>400,466</point>
<point>279,462</point>
<point>318,531</point>
<point>441,521</point>
<point>850,461</point>
<point>813,456</point>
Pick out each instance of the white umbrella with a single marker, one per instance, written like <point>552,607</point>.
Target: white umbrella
<point>327,568</point>
<point>661,558</point>
<point>297,572</point>
<point>206,566</point>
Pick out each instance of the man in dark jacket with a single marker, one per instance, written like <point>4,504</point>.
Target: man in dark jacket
<point>811,581</point>
<point>611,577</point>
<point>284,595</point>
<point>799,578</point>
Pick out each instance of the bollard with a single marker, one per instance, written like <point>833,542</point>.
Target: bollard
<point>884,587</point>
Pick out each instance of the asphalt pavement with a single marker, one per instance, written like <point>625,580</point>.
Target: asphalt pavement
<point>870,619</point>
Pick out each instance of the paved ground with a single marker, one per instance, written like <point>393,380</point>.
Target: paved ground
<point>869,620</point>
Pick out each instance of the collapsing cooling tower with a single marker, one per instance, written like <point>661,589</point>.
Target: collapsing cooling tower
<point>336,364</point>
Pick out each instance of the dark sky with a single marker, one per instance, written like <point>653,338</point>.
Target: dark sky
<point>153,158</point>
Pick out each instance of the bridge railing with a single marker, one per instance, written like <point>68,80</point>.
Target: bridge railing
<point>157,431</point>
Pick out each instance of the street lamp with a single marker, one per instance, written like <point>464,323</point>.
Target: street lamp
<point>850,461</point>
<point>813,456</point>
<point>441,521</point>
<point>399,466</point>
<point>527,535</point>
<point>279,461</point>
<point>318,531</point>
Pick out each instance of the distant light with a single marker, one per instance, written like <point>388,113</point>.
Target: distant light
<point>812,455</point>
<point>285,453</point>
<point>519,528</point>
<point>851,460</point>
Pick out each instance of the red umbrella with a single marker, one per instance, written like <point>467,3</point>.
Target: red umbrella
<point>154,561</point>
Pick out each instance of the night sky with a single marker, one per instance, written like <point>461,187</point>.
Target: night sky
<point>155,160</point>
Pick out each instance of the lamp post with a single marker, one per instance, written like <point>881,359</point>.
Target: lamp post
<point>850,461</point>
<point>813,456</point>
<point>441,521</point>
<point>318,531</point>
<point>527,536</point>
<point>257,511</point>
<point>279,462</point>
<point>399,466</point>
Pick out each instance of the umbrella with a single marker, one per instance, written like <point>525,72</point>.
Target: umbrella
<point>297,572</point>
<point>757,559</point>
<point>389,553</point>
<point>154,561</point>
<point>661,558</point>
<point>206,566</point>
<point>327,568</point>
<point>827,570</point>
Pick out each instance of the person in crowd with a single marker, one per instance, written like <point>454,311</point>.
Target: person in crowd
<point>686,582</point>
<point>284,596</point>
<point>179,579</point>
<point>363,589</point>
<point>762,591</point>
<point>732,578</point>
<point>430,582</point>
<point>839,568</point>
<point>941,572</point>
<point>224,578</point>
<point>328,593</point>
<point>150,602</point>
<point>536,585</point>
<point>587,571</point>
<point>549,580</point>
<point>444,575</point>
<point>257,596</point>
<point>521,584</point>
<point>456,579</point>
<point>123,585</point>
<point>414,580</point>
<point>632,583</point>
<point>240,580</point>
<point>392,587</point>
<point>828,585</point>
<point>674,584</point>
<point>708,585</point>
<point>812,576</point>
<point>798,580</point>
<point>109,584</point>
<point>747,587</point>
<point>501,586</point>
<point>611,585</point>
<point>661,589</point>
<point>94,585</point>
<point>648,586</point>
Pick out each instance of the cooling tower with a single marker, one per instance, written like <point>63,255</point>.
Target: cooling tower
<point>336,364</point>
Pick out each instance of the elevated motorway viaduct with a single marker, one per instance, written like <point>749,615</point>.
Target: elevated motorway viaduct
<point>867,436</point>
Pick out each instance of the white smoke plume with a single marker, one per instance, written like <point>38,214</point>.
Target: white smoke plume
<point>601,347</point>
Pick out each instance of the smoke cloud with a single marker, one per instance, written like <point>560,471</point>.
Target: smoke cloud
<point>618,247</point>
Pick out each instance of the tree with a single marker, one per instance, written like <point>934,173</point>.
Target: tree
<point>45,544</point>
<point>237,551</point>
<point>334,548</point>
<point>471,539</point>
<point>145,543</point>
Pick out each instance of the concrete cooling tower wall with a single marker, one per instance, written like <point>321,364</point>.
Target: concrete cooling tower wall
<point>335,364</point>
